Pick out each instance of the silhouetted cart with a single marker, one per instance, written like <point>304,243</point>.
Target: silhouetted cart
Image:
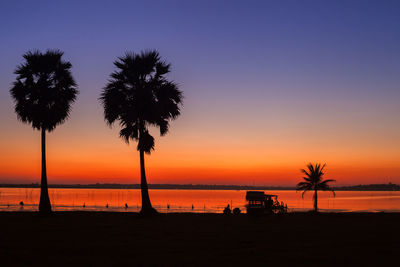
<point>259,203</point>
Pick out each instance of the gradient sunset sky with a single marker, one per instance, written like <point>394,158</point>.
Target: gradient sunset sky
<point>269,86</point>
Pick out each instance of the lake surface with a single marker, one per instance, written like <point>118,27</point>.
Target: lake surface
<point>202,200</point>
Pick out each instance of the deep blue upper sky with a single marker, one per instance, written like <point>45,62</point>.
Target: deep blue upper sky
<point>217,40</point>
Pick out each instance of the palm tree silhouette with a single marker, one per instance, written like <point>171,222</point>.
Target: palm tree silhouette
<point>139,96</point>
<point>43,92</point>
<point>313,182</point>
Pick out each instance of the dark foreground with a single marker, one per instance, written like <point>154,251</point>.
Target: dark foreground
<point>126,239</point>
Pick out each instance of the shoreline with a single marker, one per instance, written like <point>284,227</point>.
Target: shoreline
<point>162,213</point>
<point>292,213</point>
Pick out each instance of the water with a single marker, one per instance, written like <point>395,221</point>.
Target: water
<point>202,200</point>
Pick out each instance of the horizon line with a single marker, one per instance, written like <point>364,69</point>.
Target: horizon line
<point>186,185</point>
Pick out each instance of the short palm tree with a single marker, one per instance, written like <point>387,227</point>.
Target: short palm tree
<point>313,181</point>
<point>43,92</point>
<point>138,96</point>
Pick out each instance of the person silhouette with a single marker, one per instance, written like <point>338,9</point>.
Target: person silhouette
<point>270,203</point>
<point>227,210</point>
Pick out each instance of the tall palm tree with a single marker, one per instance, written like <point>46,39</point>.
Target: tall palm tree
<point>138,95</point>
<point>313,181</point>
<point>43,92</point>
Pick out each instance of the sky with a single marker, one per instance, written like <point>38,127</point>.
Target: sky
<point>269,86</point>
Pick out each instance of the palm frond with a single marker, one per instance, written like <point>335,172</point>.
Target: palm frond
<point>44,89</point>
<point>314,179</point>
<point>305,172</point>
<point>146,142</point>
<point>138,93</point>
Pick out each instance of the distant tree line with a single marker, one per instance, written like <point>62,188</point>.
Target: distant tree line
<point>368,187</point>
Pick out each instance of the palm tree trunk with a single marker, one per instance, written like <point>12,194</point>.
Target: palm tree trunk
<point>315,201</point>
<point>146,204</point>
<point>44,204</point>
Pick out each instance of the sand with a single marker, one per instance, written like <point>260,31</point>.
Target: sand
<point>127,239</point>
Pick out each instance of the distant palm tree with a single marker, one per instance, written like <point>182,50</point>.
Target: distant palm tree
<point>313,182</point>
<point>138,95</point>
<point>43,92</point>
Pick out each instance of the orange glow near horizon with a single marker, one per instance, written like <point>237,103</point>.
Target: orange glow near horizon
<point>72,160</point>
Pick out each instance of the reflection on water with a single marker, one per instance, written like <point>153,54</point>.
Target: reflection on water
<point>183,200</point>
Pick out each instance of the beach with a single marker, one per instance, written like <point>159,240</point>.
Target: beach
<point>185,239</point>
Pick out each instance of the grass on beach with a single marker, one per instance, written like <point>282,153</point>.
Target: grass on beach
<point>119,239</point>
